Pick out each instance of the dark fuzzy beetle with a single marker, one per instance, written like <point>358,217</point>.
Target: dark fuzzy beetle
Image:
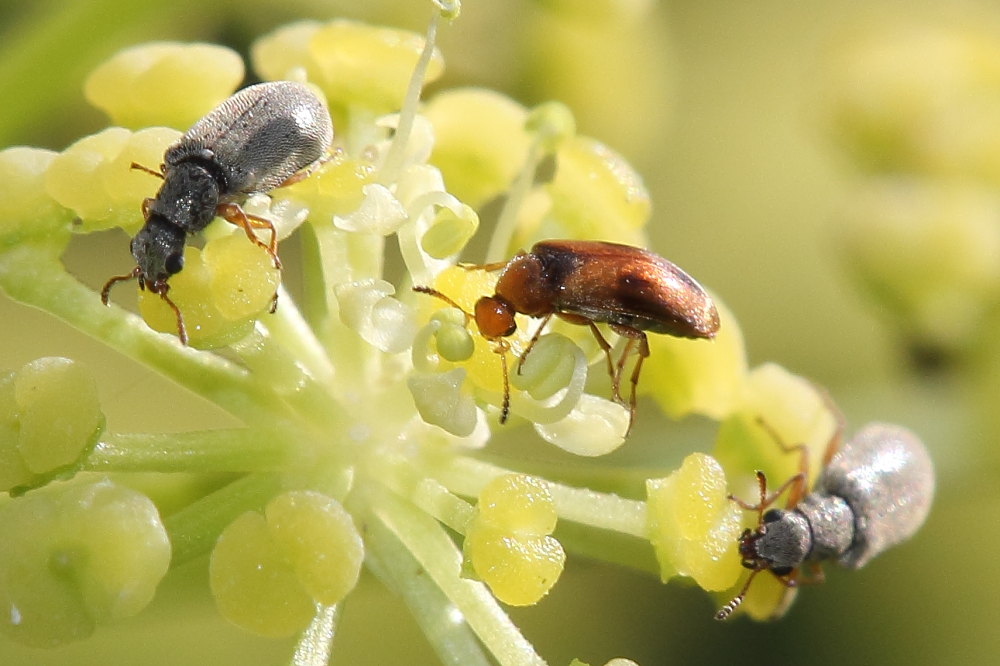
<point>584,282</point>
<point>265,136</point>
<point>874,492</point>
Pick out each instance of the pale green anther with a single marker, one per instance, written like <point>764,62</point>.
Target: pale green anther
<point>449,10</point>
<point>440,400</point>
<point>77,555</point>
<point>452,316</point>
<point>26,209</point>
<point>547,368</point>
<point>595,427</point>
<point>454,342</point>
<point>552,123</point>
<point>319,540</point>
<point>380,213</point>
<point>75,177</point>
<point>368,308</point>
<point>164,83</point>
<point>13,471</point>
<point>449,231</point>
<point>58,412</point>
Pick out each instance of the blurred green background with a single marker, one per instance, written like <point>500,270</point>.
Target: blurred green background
<point>721,107</point>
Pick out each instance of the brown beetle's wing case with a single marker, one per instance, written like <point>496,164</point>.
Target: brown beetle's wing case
<point>260,136</point>
<point>629,286</point>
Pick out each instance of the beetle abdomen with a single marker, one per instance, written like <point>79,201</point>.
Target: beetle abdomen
<point>886,477</point>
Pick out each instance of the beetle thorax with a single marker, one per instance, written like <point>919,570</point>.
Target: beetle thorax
<point>188,197</point>
<point>523,284</point>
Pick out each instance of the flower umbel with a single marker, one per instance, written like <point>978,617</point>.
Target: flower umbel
<point>370,435</point>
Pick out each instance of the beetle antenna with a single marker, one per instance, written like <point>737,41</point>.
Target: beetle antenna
<point>431,291</point>
<point>139,167</point>
<point>505,407</point>
<point>106,290</point>
<point>727,610</point>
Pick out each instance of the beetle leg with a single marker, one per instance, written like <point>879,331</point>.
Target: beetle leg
<point>160,288</point>
<point>532,341</point>
<point>799,491</point>
<point>633,336</point>
<point>151,172</point>
<point>492,266</point>
<point>815,575</point>
<point>605,347</point>
<point>106,290</point>
<point>765,499</point>
<point>302,174</point>
<point>495,266</point>
<point>839,424</point>
<point>634,379</point>
<point>235,215</point>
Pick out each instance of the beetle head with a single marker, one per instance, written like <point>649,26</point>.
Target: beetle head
<point>494,317</point>
<point>158,249</point>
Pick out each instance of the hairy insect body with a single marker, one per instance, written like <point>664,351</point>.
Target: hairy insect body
<point>258,139</point>
<point>874,493</point>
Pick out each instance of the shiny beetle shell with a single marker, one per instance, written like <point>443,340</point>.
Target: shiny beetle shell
<point>608,282</point>
<point>264,136</point>
<point>585,282</point>
<point>259,137</point>
<point>874,493</point>
<point>887,479</point>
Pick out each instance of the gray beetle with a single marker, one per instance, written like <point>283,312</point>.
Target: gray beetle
<point>265,136</point>
<point>874,492</point>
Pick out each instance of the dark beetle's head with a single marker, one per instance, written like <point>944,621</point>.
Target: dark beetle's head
<point>158,249</point>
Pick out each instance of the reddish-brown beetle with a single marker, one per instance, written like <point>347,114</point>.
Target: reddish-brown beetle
<point>584,282</point>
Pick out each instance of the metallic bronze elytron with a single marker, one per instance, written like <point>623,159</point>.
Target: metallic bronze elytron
<point>586,282</point>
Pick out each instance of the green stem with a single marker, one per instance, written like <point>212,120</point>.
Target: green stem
<point>440,559</point>
<point>314,290</point>
<point>503,232</point>
<point>29,274</point>
<point>389,173</point>
<point>291,330</point>
<point>396,567</point>
<point>608,547</point>
<point>236,450</point>
<point>467,476</point>
<point>194,529</point>
<point>316,642</point>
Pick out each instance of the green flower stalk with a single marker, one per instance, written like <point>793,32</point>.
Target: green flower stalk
<point>370,437</point>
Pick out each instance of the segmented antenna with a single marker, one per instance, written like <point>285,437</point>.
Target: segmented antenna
<point>735,602</point>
